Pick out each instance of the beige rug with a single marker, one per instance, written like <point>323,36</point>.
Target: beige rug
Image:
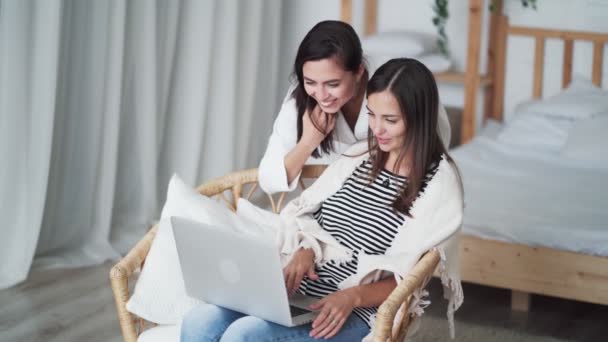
<point>433,329</point>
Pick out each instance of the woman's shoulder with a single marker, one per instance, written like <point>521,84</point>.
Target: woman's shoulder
<point>357,149</point>
<point>444,180</point>
<point>447,169</point>
<point>287,118</point>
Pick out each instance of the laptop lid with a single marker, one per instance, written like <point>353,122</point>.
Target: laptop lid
<point>237,271</point>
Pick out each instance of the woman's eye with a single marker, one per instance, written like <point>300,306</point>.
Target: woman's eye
<point>391,121</point>
<point>334,85</point>
<point>309,83</point>
<point>370,114</point>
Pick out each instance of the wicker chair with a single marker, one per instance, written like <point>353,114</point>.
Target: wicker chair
<point>235,185</point>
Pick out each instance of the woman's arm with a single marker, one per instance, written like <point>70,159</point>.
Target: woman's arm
<point>338,306</point>
<point>272,175</point>
<point>285,156</point>
<point>373,294</point>
<point>311,139</point>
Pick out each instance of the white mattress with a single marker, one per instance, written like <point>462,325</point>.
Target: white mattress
<point>533,197</point>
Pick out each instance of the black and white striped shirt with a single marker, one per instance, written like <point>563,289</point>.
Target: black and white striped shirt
<point>359,216</point>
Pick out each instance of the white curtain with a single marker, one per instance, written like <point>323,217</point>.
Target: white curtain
<point>102,101</point>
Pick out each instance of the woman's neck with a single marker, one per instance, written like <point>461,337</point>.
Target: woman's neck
<point>404,166</point>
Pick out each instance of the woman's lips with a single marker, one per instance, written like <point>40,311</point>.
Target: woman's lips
<point>327,104</point>
<point>382,141</point>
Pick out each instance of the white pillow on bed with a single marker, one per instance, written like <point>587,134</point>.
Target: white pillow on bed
<point>530,130</point>
<point>580,100</point>
<point>588,140</point>
<point>159,295</point>
<point>399,43</point>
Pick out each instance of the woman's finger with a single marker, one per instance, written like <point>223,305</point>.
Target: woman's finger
<point>298,279</point>
<point>331,122</point>
<point>321,317</point>
<point>311,274</point>
<point>336,329</point>
<point>325,321</point>
<point>317,112</point>
<point>320,119</point>
<point>289,281</point>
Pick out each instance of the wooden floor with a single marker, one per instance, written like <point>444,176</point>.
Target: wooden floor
<point>77,305</point>
<point>60,305</point>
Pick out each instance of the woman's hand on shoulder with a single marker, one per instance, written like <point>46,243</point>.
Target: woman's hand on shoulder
<point>334,309</point>
<point>301,264</point>
<point>316,125</point>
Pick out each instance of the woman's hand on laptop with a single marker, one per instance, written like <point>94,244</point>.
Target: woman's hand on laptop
<point>302,264</point>
<point>334,311</point>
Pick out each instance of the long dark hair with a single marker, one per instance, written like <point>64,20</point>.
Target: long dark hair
<point>327,39</point>
<point>414,87</point>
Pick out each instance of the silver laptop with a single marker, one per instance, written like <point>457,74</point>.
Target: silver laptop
<point>237,271</point>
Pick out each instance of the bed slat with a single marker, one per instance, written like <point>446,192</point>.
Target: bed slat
<point>471,82</point>
<point>539,59</point>
<point>499,70</point>
<point>371,17</point>
<point>598,57</point>
<point>567,73</point>
<point>346,11</point>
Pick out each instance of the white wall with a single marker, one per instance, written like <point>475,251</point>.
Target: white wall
<point>300,16</point>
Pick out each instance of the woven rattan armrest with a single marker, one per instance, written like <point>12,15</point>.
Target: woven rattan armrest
<point>417,278</point>
<point>119,278</point>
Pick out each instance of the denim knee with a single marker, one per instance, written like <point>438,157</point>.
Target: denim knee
<point>247,328</point>
<point>206,322</point>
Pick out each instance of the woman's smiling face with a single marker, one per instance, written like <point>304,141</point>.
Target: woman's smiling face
<point>329,84</point>
<point>386,121</point>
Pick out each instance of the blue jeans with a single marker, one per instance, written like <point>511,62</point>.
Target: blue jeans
<point>208,322</point>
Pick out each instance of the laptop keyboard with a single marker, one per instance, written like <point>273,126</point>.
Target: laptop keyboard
<point>295,311</point>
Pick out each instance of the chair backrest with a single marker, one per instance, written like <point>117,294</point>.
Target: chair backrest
<point>232,186</point>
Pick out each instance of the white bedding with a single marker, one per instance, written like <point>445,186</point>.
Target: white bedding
<point>533,197</point>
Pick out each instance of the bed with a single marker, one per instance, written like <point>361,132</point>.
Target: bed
<point>517,234</point>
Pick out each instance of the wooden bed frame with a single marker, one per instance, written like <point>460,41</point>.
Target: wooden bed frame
<point>521,268</point>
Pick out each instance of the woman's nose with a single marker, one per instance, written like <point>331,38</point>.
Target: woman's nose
<point>378,129</point>
<point>321,93</point>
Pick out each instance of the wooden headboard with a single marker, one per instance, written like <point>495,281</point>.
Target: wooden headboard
<point>471,79</point>
<point>540,36</point>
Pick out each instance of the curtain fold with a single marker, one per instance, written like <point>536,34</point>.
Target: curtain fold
<point>29,39</point>
<point>102,101</point>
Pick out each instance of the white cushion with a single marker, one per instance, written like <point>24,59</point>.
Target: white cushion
<point>580,100</point>
<point>587,140</point>
<point>399,43</point>
<point>161,333</point>
<point>159,295</point>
